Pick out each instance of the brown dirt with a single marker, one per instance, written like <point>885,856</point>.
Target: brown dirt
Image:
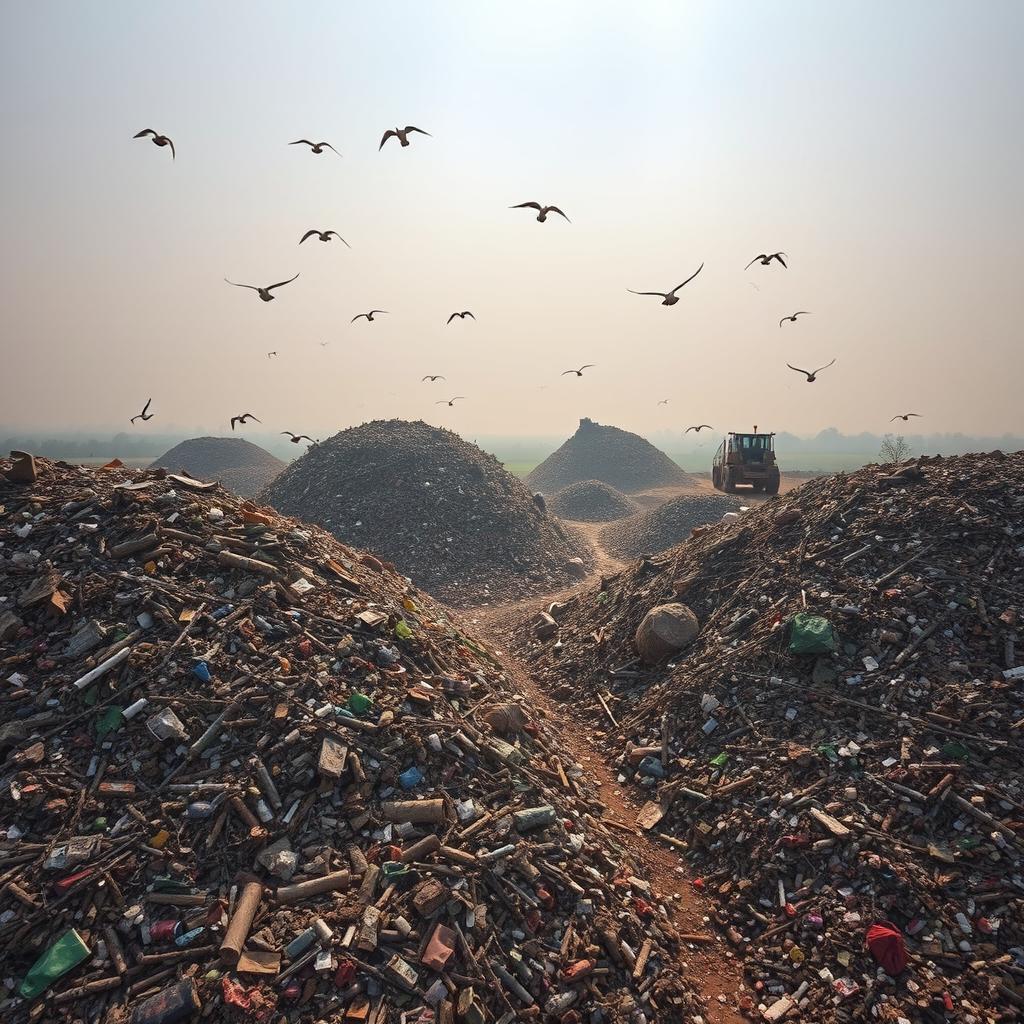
<point>715,969</point>
<point>702,485</point>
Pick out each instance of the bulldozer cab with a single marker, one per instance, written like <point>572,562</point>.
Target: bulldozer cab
<point>746,460</point>
<point>758,448</point>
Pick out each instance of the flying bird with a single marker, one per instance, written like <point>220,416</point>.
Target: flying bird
<point>402,134</point>
<point>812,373</point>
<point>296,438</point>
<point>324,344</point>
<point>369,316</point>
<point>242,419</point>
<point>461,316</point>
<point>449,401</point>
<point>766,259</point>
<point>432,377</point>
<point>802,312</point>
<point>664,401</point>
<point>264,293</point>
<point>269,354</point>
<point>579,372</point>
<point>145,414</point>
<point>699,428</point>
<point>670,298</point>
<point>905,416</point>
<point>316,147</point>
<point>157,140</point>
<point>542,211</point>
<point>324,236</point>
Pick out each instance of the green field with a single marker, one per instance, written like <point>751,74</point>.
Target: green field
<point>523,464</point>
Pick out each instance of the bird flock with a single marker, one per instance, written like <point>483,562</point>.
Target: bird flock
<point>669,298</point>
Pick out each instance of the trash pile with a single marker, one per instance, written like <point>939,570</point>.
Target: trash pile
<point>825,700</point>
<point>591,501</point>
<point>240,466</point>
<point>449,514</point>
<point>596,452</point>
<point>250,771</point>
<point>666,525</point>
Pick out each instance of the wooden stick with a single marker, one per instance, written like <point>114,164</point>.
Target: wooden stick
<point>607,710</point>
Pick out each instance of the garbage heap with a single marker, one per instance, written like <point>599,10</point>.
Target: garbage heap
<point>592,501</point>
<point>249,769</point>
<point>239,465</point>
<point>825,700</point>
<point>450,515</point>
<point>666,525</point>
<point>598,452</point>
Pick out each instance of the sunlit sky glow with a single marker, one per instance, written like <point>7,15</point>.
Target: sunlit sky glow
<point>877,144</point>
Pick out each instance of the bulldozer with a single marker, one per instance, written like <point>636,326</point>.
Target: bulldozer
<point>746,459</point>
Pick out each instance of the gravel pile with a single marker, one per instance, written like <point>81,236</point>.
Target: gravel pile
<point>662,527</point>
<point>240,466</point>
<point>617,457</point>
<point>591,501</point>
<point>447,514</point>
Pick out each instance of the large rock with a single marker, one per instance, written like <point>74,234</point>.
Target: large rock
<point>665,629</point>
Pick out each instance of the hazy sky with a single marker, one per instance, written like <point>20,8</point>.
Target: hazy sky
<point>877,143</point>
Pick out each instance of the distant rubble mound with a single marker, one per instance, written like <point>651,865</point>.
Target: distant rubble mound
<point>665,526</point>
<point>591,501</point>
<point>239,465</point>
<point>617,457</point>
<point>447,514</point>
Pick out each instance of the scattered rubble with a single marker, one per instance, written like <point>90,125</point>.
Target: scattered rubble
<point>840,752</point>
<point>448,514</point>
<point>591,501</point>
<point>240,466</point>
<point>617,457</point>
<point>250,772</point>
<point>666,525</point>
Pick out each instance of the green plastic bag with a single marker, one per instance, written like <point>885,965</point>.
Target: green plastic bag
<point>66,953</point>
<point>402,630</point>
<point>359,703</point>
<point>110,721</point>
<point>811,634</point>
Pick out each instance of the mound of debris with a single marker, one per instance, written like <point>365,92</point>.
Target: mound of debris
<point>248,770</point>
<point>446,513</point>
<point>617,457</point>
<point>840,747</point>
<point>666,525</point>
<point>240,466</point>
<point>591,501</point>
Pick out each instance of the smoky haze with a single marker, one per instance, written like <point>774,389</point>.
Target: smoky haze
<point>873,143</point>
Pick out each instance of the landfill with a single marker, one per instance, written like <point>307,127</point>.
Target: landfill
<point>617,457</point>
<point>591,501</point>
<point>449,515</point>
<point>666,525</point>
<point>824,703</point>
<point>240,465</point>
<point>251,774</point>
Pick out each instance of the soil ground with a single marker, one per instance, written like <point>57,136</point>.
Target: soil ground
<point>713,965</point>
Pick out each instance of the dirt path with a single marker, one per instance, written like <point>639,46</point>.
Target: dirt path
<point>717,974</point>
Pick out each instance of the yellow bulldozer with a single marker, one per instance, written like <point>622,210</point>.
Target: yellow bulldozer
<point>746,460</point>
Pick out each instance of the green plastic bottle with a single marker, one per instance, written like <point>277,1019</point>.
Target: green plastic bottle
<point>64,955</point>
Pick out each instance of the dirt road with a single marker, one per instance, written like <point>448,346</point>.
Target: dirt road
<point>711,966</point>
